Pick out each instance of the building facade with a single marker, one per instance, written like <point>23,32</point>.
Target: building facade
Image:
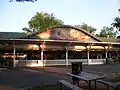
<point>59,45</point>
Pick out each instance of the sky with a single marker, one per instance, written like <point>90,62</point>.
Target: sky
<point>98,13</point>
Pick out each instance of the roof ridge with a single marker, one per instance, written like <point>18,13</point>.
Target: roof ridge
<point>78,28</point>
<point>68,26</point>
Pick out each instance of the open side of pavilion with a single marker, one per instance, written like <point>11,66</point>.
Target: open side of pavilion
<point>58,45</point>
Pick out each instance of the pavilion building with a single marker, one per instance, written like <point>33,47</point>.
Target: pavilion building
<point>58,45</point>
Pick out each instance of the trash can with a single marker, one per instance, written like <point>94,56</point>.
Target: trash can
<point>76,69</point>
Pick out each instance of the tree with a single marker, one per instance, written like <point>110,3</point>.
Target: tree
<point>23,0</point>
<point>42,21</point>
<point>116,23</point>
<point>108,32</point>
<point>88,28</point>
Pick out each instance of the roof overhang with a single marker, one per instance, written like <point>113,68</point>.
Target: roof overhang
<point>54,42</point>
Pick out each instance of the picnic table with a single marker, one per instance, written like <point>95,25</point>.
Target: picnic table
<point>89,77</point>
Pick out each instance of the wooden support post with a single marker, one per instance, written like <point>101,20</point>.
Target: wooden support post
<point>88,57</point>
<point>106,54</point>
<point>67,46</point>
<point>88,48</point>
<point>66,57</point>
<point>42,56</point>
<point>42,53</point>
<point>14,55</point>
<point>107,48</point>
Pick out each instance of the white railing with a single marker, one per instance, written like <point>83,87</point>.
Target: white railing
<point>28,63</point>
<point>32,63</point>
<point>63,61</point>
<point>84,61</point>
<point>97,61</point>
<point>54,62</point>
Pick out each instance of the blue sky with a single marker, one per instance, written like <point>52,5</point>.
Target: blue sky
<point>97,13</point>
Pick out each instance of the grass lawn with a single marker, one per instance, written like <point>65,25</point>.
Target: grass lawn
<point>45,87</point>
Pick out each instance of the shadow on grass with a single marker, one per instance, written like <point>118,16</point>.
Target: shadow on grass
<point>45,87</point>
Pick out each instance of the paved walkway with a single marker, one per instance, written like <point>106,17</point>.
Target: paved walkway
<point>25,77</point>
<point>108,70</point>
<point>112,72</point>
<point>4,87</point>
<point>20,78</point>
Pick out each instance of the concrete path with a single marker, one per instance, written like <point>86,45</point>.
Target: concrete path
<point>103,69</point>
<point>25,77</point>
<point>19,78</point>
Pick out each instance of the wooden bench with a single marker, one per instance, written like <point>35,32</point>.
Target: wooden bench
<point>69,85</point>
<point>114,85</point>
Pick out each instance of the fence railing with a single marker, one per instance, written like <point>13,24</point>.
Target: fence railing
<point>32,63</point>
<point>84,61</point>
<point>97,61</point>
<point>28,63</point>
